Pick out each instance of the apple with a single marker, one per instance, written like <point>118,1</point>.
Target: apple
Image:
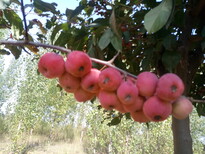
<point>51,65</point>
<point>139,116</point>
<point>127,92</point>
<point>90,81</point>
<point>147,83</point>
<point>156,109</point>
<point>108,100</point>
<point>136,106</point>
<point>181,108</point>
<point>69,83</point>
<point>109,79</point>
<point>82,96</point>
<point>78,63</point>
<point>169,87</point>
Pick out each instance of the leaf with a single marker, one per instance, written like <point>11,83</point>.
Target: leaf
<point>44,6</point>
<point>170,60</point>
<point>105,39</point>
<point>169,42</point>
<point>116,43</point>
<point>112,22</point>
<point>114,121</point>
<point>156,18</point>
<point>15,21</point>
<point>16,51</point>
<point>4,52</point>
<point>56,29</point>
<point>4,4</point>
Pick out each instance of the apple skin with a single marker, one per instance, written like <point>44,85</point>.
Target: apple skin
<point>51,65</point>
<point>139,116</point>
<point>109,79</point>
<point>137,106</point>
<point>181,108</point>
<point>156,109</point>
<point>78,63</point>
<point>82,95</point>
<point>108,100</point>
<point>69,83</point>
<point>127,92</point>
<point>90,81</point>
<point>147,83</point>
<point>169,87</point>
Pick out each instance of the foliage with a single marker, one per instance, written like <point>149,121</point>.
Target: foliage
<point>132,137</point>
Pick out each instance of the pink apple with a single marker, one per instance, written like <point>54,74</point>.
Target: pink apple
<point>69,83</point>
<point>51,65</point>
<point>181,108</point>
<point>109,79</point>
<point>127,92</point>
<point>169,87</point>
<point>90,81</point>
<point>78,63</point>
<point>156,109</point>
<point>147,83</point>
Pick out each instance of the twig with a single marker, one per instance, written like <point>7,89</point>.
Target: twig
<point>196,100</point>
<point>23,43</point>
<point>107,63</point>
<point>24,20</point>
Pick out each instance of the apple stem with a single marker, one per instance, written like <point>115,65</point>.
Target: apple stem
<point>107,63</point>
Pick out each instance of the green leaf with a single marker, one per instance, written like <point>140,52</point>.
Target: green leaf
<point>15,21</point>
<point>169,42</point>
<point>170,60</point>
<point>56,29</point>
<point>116,43</point>
<point>156,18</point>
<point>16,51</point>
<point>4,4</point>
<point>44,6</point>
<point>4,52</point>
<point>115,121</point>
<point>105,39</point>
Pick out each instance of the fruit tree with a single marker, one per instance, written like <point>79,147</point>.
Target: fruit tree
<point>142,58</point>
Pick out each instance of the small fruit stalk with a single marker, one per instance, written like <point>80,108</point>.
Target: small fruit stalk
<point>147,98</point>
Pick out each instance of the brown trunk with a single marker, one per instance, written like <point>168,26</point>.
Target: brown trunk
<point>182,137</point>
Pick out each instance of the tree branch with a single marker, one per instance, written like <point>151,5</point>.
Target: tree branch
<point>24,20</point>
<point>196,100</point>
<point>107,63</point>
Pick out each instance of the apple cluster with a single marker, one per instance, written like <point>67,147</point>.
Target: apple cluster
<point>147,98</point>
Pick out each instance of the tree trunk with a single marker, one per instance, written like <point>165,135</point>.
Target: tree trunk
<point>182,136</point>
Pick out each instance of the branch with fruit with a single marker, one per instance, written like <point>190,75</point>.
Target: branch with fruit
<point>146,96</point>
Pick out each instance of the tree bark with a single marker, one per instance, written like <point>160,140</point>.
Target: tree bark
<point>182,136</point>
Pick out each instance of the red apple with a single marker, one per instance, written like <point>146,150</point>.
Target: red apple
<point>181,108</point>
<point>90,81</point>
<point>137,106</point>
<point>51,65</point>
<point>82,95</point>
<point>108,100</point>
<point>139,116</point>
<point>78,63</point>
<point>69,83</point>
<point>147,83</point>
<point>169,87</point>
<point>156,109</point>
<point>109,79</point>
<point>127,92</point>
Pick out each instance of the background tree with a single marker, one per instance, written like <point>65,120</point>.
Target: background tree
<point>165,36</point>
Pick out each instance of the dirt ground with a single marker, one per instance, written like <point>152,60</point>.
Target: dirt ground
<point>38,145</point>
